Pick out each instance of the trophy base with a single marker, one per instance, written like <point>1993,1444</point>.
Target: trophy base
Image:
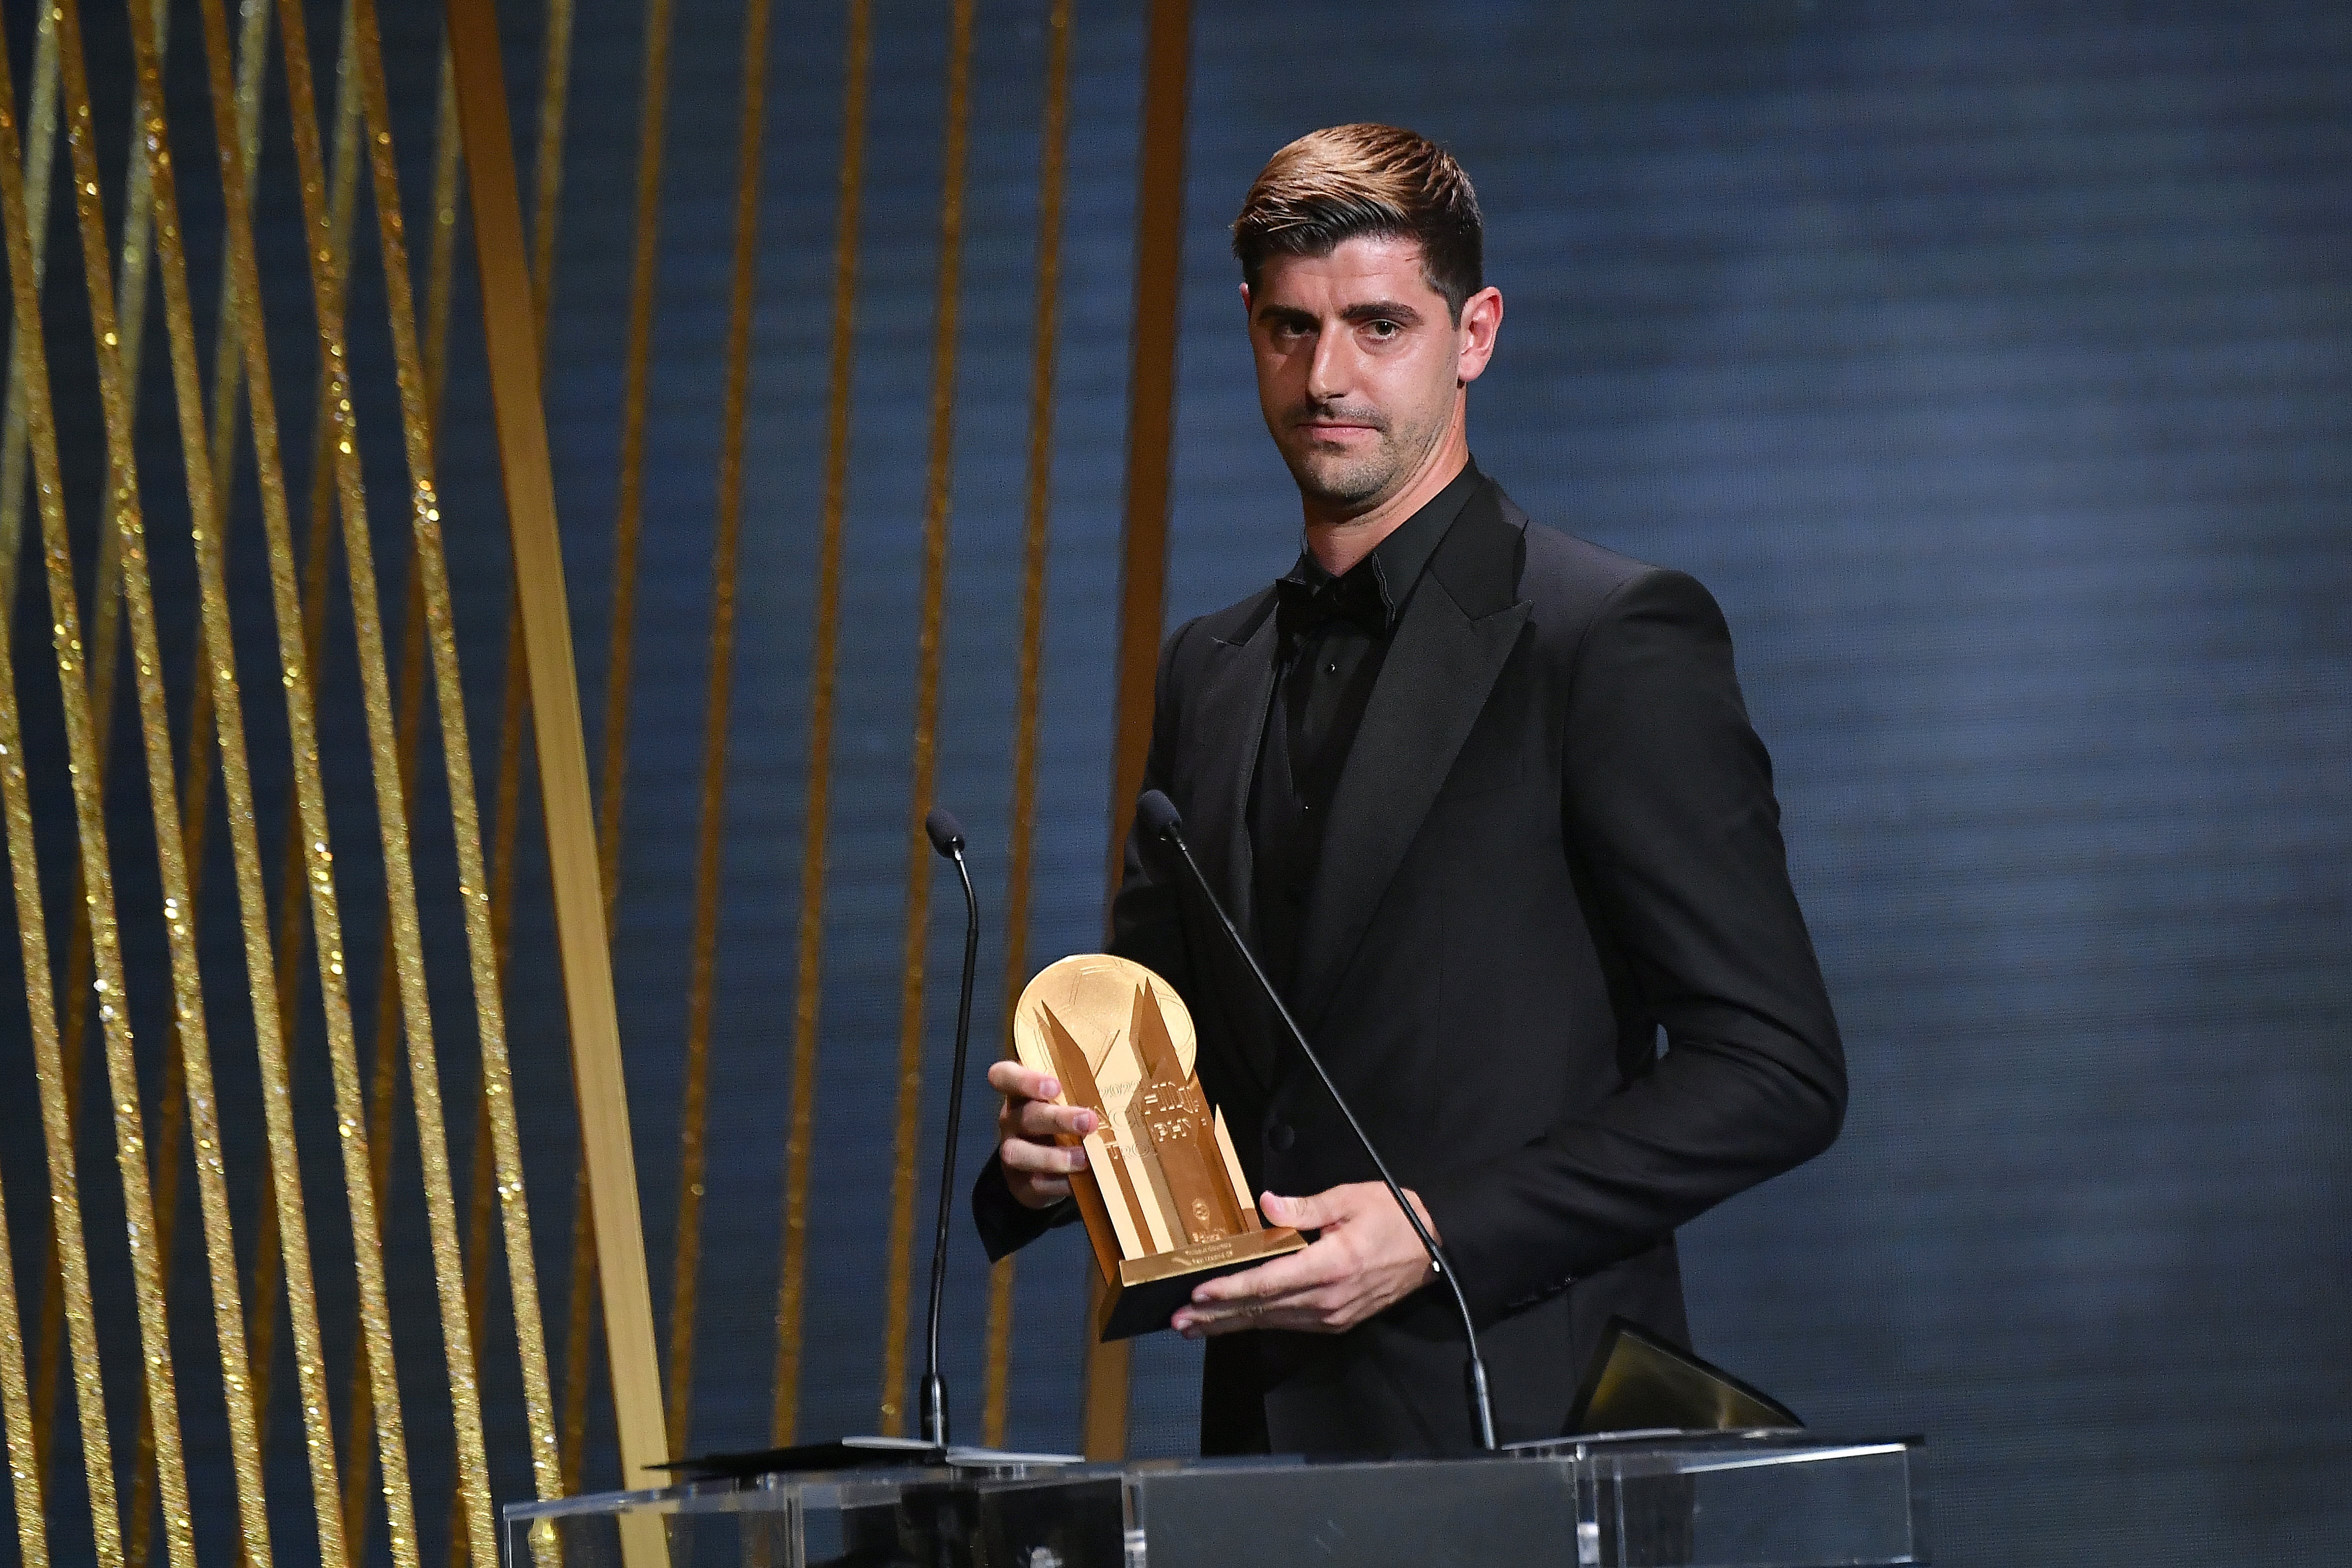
<point>1148,1290</point>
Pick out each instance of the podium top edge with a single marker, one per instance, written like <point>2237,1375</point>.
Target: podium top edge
<point>1695,1453</point>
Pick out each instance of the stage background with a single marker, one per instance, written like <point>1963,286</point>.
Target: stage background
<point>1991,363</point>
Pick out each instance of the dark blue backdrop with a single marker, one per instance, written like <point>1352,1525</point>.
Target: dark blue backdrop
<point>1992,363</point>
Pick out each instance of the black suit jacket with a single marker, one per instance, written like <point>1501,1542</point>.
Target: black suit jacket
<point>1554,839</point>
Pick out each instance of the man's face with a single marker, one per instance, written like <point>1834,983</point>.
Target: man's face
<point>1361,366</point>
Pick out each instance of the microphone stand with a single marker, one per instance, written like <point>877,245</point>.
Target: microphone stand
<point>930,1448</point>
<point>947,838</point>
<point>1162,821</point>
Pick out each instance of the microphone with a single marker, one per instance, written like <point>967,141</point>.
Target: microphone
<point>1160,820</point>
<point>947,838</point>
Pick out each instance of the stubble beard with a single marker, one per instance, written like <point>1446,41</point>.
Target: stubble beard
<point>1332,477</point>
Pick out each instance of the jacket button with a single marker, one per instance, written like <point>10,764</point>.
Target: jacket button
<point>1280,1137</point>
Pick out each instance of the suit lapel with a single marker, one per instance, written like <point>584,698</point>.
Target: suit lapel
<point>1230,706</point>
<point>1459,627</point>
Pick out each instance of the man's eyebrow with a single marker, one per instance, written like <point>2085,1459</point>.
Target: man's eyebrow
<point>1395,310</point>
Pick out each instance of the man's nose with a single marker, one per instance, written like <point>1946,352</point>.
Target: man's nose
<point>1327,369</point>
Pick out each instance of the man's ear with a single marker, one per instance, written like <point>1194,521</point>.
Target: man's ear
<point>1245,302</point>
<point>1482,320</point>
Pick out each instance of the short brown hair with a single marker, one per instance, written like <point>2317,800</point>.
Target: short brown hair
<point>1354,179</point>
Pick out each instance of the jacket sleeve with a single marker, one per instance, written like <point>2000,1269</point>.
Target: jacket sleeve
<point>1668,814</point>
<point>1147,926</point>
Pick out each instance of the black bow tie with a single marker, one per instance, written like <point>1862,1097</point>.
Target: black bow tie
<point>1304,608</point>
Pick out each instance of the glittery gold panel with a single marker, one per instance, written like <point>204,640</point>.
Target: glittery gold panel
<point>123,1078</point>
<point>32,931</point>
<point>1053,141</point>
<point>228,717</point>
<point>792,1290</point>
<point>432,571</point>
<point>326,915</point>
<point>223,392</point>
<point>752,122</point>
<point>391,805</point>
<point>235,137</point>
<point>494,1175</point>
<point>105,647</point>
<point>195,1053</point>
<point>383,1084</point>
<point>123,597</point>
<point>518,416</point>
<point>195,799</point>
<point>318,556</point>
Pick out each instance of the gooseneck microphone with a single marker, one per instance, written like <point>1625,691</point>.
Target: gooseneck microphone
<point>1160,819</point>
<point>947,838</point>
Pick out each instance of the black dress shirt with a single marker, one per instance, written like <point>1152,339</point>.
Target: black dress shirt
<point>1334,635</point>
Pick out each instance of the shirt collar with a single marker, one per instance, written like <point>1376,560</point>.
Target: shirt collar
<point>1397,561</point>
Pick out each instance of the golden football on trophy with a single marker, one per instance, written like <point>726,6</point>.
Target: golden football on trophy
<point>1163,1197</point>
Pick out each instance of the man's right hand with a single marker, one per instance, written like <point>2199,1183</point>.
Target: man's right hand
<point>1036,1168</point>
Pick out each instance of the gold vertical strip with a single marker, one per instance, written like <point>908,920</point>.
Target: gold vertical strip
<point>1053,147</point>
<point>106,643</point>
<point>520,418</point>
<point>39,161</point>
<point>317,562</point>
<point>317,557</point>
<point>194,1055</point>
<point>712,836</point>
<point>495,1096</point>
<point>383,1087</point>
<point>100,665</point>
<point>410,692</point>
<point>652,126</point>
<point>792,1290</point>
<point>39,155</point>
<point>17,1398</point>
<point>1143,566</point>
<point>903,1180</point>
<point>227,715</point>
<point>32,929</point>
<point>131,1145</point>
<point>65,1201</point>
<point>116,356</point>
<point>296,667</point>
<point>424,1091</point>
<point>197,797</point>
<point>431,570</point>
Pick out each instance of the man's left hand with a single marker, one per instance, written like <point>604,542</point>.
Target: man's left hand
<point>1367,1258</point>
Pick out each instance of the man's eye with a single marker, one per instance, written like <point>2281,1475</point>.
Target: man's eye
<point>1381,330</point>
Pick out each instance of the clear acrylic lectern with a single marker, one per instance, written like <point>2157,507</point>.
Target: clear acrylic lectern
<point>1761,1499</point>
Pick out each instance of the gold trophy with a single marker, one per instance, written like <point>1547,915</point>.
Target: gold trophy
<point>1163,1197</point>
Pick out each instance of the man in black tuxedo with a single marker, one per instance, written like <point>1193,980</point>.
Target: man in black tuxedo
<point>1486,800</point>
